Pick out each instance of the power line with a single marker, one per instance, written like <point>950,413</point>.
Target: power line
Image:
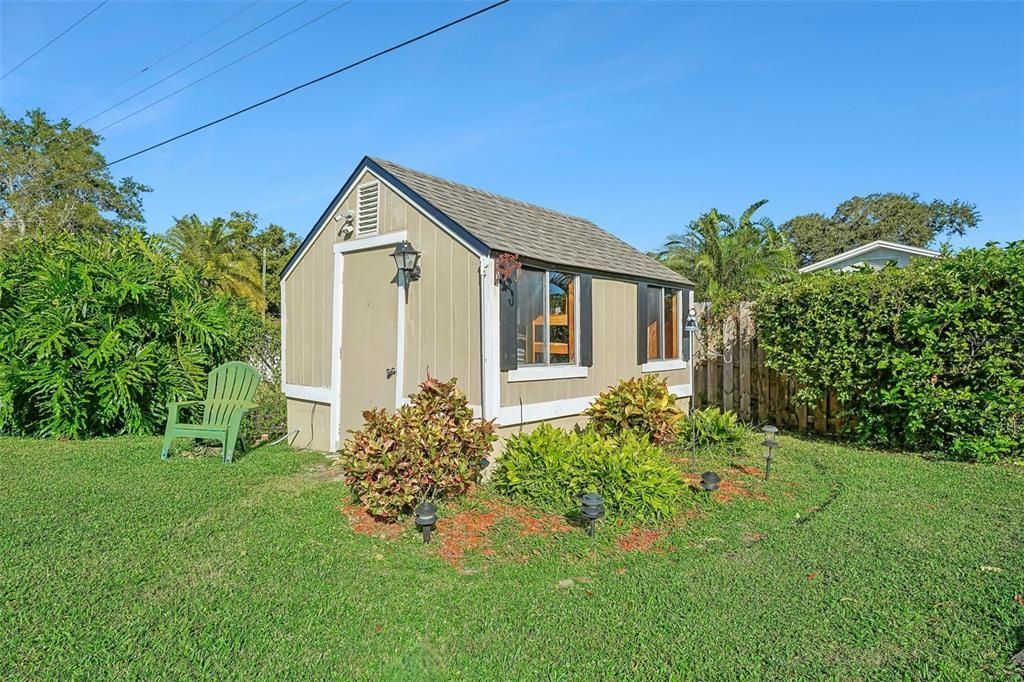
<point>226,66</point>
<point>195,61</point>
<point>162,59</point>
<point>308,83</point>
<point>59,36</point>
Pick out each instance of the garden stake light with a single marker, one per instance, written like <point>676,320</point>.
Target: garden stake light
<point>771,444</point>
<point>709,481</point>
<point>426,517</point>
<point>592,508</point>
<point>691,328</point>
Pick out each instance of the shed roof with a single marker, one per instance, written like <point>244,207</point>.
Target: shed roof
<point>532,231</point>
<point>496,223</point>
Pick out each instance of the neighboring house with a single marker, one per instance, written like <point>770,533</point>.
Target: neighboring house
<point>876,255</point>
<point>585,311</point>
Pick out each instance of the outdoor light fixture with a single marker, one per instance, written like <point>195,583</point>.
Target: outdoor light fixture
<point>407,260</point>
<point>691,328</point>
<point>592,508</point>
<point>771,444</point>
<point>426,517</point>
<point>691,323</point>
<point>709,481</point>
<point>484,463</point>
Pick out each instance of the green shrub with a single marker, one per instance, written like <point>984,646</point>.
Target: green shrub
<point>430,448</point>
<point>714,429</point>
<point>551,468</point>
<point>98,333</point>
<point>642,405</point>
<point>926,357</point>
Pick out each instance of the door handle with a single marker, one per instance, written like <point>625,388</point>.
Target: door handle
<point>390,372</point>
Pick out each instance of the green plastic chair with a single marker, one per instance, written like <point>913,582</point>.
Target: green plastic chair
<point>229,394</point>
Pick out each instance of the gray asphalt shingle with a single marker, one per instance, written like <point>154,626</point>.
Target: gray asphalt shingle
<point>514,226</point>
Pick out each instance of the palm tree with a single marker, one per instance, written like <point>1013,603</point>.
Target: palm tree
<point>730,260</point>
<point>217,249</point>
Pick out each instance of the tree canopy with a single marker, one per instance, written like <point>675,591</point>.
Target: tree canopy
<point>229,253</point>
<point>891,216</point>
<point>49,182</point>
<point>729,260</point>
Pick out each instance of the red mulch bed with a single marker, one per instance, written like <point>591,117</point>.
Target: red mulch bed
<point>469,530</point>
<point>728,489</point>
<point>639,540</point>
<point>364,524</point>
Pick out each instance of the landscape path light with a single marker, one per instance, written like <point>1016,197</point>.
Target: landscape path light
<point>691,328</point>
<point>770,443</point>
<point>592,508</point>
<point>709,481</point>
<point>426,518</point>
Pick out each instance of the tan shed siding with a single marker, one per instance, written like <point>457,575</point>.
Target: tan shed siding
<point>442,316</point>
<point>308,308</point>
<point>614,319</point>
<point>312,421</point>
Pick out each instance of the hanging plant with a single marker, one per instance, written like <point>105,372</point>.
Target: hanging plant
<point>506,268</point>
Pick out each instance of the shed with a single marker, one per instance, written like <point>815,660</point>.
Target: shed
<point>583,311</point>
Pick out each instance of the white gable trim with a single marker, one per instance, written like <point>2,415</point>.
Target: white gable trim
<point>866,248</point>
<point>361,180</point>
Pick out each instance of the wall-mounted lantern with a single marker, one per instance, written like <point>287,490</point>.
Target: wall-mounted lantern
<point>771,444</point>
<point>407,260</point>
<point>426,517</point>
<point>592,508</point>
<point>709,481</point>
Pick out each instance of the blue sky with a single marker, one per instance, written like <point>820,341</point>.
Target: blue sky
<point>638,116</point>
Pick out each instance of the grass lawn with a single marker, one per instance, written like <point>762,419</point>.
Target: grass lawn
<point>849,564</point>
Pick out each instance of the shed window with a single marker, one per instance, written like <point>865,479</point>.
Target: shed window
<point>664,323</point>
<point>547,318</point>
<point>368,208</point>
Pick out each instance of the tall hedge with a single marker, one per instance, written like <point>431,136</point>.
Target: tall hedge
<point>928,357</point>
<point>97,333</point>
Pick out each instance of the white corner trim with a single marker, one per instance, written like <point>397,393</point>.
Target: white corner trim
<point>662,365</point>
<point>547,372</point>
<point>367,243</point>
<point>400,342</point>
<point>284,335</point>
<point>512,415</point>
<point>316,394</point>
<point>334,438</point>
<point>681,391</point>
<point>490,369</point>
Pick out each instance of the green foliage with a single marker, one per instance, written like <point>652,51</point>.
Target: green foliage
<point>642,405</point>
<point>229,253</point>
<point>926,357</point>
<point>430,448</point>
<point>715,429</point>
<point>729,260</point>
<point>551,468</point>
<point>98,333</point>
<point>46,186</point>
<point>901,218</point>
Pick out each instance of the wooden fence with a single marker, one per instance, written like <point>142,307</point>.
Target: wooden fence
<point>733,376</point>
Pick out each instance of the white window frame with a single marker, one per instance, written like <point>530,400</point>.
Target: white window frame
<point>664,364</point>
<point>547,370</point>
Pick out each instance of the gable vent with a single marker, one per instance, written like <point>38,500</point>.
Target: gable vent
<point>368,208</point>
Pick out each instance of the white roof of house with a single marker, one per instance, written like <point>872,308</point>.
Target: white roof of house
<point>867,248</point>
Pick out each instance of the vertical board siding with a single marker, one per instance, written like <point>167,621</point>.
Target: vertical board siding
<point>442,320</point>
<point>615,352</point>
<point>736,378</point>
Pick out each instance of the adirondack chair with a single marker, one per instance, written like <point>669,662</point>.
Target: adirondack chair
<point>229,393</point>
